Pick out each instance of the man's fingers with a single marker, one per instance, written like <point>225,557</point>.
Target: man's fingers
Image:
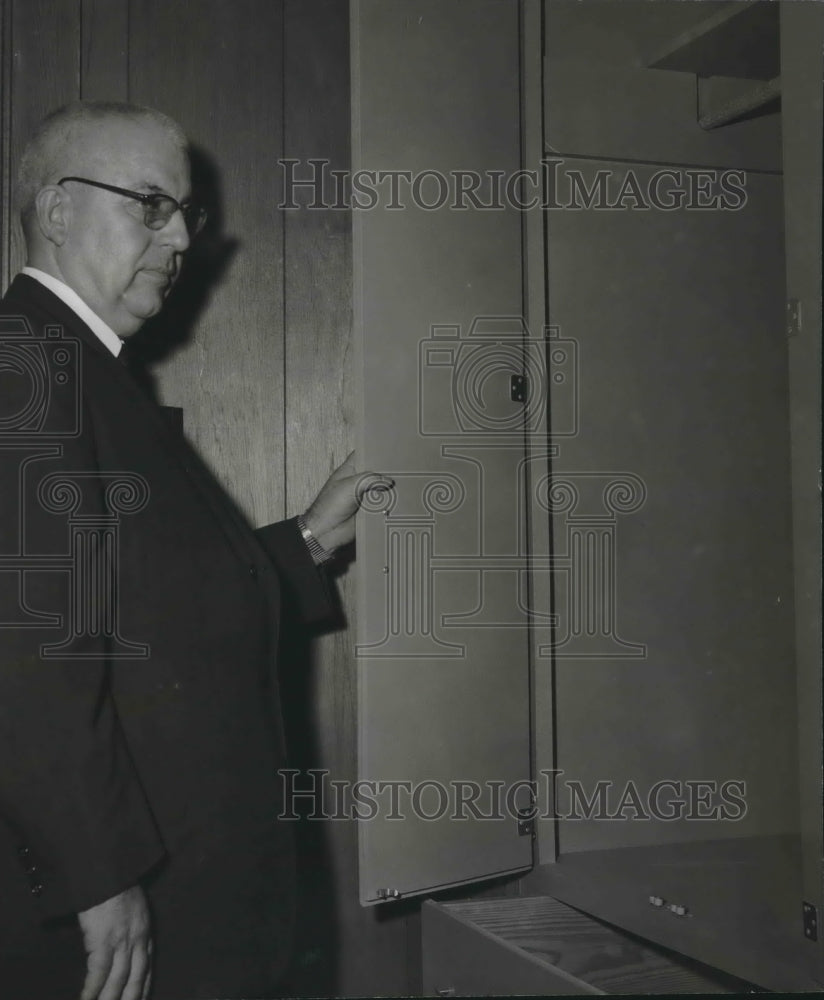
<point>346,468</point>
<point>147,982</point>
<point>135,988</point>
<point>117,936</point>
<point>118,975</point>
<point>330,515</point>
<point>147,986</point>
<point>98,965</point>
<point>371,481</point>
<point>123,973</point>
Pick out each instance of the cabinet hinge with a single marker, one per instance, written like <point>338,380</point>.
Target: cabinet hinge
<point>388,893</point>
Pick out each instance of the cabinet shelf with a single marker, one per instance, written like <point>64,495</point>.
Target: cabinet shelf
<point>538,945</point>
<point>724,100</point>
<point>741,40</point>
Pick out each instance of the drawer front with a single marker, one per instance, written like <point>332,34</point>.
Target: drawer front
<point>460,959</point>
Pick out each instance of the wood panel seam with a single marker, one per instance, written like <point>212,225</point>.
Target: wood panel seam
<point>6,56</point>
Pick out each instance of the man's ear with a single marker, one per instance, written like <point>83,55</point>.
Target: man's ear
<point>53,210</point>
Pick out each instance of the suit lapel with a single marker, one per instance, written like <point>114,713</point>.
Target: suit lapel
<point>25,292</point>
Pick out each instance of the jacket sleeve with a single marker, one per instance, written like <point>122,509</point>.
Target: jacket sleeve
<point>305,583</point>
<point>69,793</point>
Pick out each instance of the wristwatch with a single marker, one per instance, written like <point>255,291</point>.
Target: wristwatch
<point>316,550</point>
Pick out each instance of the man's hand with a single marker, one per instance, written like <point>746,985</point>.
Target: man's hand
<point>331,517</point>
<point>117,937</point>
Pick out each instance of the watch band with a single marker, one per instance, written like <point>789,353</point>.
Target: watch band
<point>316,550</point>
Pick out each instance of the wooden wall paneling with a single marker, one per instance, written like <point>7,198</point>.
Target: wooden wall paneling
<point>51,53</point>
<point>5,136</point>
<point>342,948</point>
<point>104,59</point>
<point>217,68</point>
<point>44,72</point>
<point>802,29</point>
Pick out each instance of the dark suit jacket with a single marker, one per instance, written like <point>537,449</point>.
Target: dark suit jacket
<point>156,760</point>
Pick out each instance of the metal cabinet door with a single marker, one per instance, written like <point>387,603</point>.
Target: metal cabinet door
<point>443,643</point>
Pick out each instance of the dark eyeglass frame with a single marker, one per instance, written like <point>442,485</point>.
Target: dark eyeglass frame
<point>163,206</point>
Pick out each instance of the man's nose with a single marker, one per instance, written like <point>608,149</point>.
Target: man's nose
<point>175,234</point>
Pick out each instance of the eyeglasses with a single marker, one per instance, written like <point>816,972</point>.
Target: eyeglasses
<point>158,209</point>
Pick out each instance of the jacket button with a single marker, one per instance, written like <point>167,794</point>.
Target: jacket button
<point>253,572</point>
<point>24,852</point>
<point>36,890</point>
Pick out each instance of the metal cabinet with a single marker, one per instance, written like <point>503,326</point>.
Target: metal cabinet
<point>587,650</point>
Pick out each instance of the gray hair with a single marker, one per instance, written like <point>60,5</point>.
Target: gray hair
<point>45,154</point>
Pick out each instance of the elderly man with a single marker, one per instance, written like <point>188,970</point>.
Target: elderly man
<point>139,758</point>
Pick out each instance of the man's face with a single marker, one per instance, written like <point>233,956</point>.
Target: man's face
<point>122,269</point>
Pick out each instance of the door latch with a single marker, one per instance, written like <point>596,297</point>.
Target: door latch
<point>526,822</point>
<point>810,918</point>
<point>517,388</point>
<point>793,317</point>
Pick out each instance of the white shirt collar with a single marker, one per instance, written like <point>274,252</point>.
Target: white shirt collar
<point>101,330</point>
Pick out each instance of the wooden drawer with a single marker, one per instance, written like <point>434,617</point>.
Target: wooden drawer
<point>539,946</point>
